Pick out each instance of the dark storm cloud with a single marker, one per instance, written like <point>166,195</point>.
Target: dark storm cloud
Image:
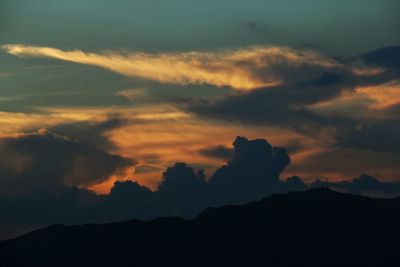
<point>252,172</point>
<point>386,57</point>
<point>379,136</point>
<point>46,161</point>
<point>89,132</point>
<point>128,191</point>
<point>280,106</point>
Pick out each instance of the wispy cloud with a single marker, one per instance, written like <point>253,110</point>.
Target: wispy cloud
<point>132,94</point>
<point>241,69</point>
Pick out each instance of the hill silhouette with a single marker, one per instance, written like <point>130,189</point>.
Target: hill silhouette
<point>318,227</point>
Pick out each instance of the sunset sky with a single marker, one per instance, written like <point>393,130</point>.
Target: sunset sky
<point>139,85</point>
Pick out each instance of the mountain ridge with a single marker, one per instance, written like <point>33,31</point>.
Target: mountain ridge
<point>293,229</point>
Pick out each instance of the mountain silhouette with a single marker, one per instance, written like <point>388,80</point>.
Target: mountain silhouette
<point>318,227</point>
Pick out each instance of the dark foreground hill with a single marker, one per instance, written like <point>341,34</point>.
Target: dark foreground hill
<point>314,228</point>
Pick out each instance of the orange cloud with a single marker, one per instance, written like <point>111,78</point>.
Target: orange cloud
<point>363,101</point>
<point>383,96</point>
<point>159,144</point>
<point>232,68</point>
<point>157,136</point>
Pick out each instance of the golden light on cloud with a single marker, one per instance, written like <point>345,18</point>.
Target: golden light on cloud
<point>231,68</point>
<point>159,144</point>
<point>16,122</point>
<point>132,94</point>
<point>11,122</point>
<point>364,71</point>
<point>364,100</point>
<point>105,186</point>
<point>383,96</point>
<point>142,113</point>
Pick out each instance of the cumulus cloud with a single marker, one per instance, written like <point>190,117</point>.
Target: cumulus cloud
<point>242,69</point>
<point>128,191</point>
<point>253,171</point>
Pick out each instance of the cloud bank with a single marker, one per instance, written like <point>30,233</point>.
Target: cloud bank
<point>252,173</point>
<point>43,161</point>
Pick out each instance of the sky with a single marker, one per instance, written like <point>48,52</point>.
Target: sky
<point>94,92</point>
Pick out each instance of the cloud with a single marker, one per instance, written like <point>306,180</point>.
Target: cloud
<point>347,110</point>
<point>242,69</point>
<point>253,171</point>
<point>281,106</point>
<point>385,57</point>
<point>128,191</point>
<point>382,96</point>
<point>46,161</point>
<point>133,94</point>
<point>336,163</point>
<point>295,105</point>
<point>179,179</point>
<point>91,132</point>
<point>219,152</point>
<point>184,190</point>
<point>377,136</point>
<point>363,185</point>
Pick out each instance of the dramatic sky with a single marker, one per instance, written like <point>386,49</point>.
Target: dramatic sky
<point>96,91</point>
